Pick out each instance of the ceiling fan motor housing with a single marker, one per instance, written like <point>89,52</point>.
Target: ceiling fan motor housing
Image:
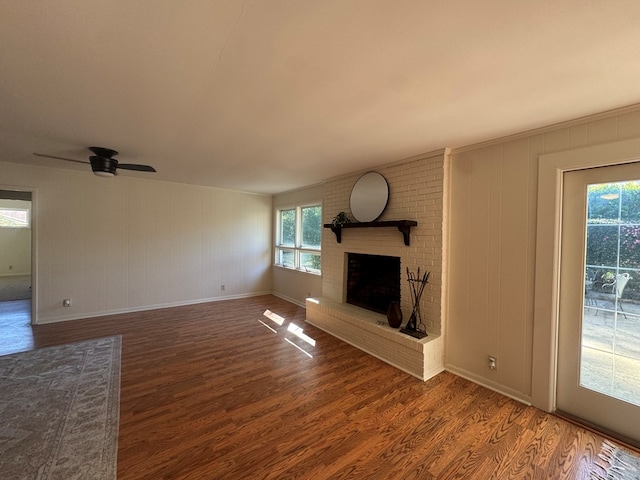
<point>103,166</point>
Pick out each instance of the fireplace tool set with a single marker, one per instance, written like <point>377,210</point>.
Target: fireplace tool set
<point>414,326</point>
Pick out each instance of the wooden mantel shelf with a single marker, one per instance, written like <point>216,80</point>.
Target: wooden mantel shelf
<point>403,225</point>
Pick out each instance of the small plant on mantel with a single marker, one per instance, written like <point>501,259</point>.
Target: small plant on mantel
<point>340,219</point>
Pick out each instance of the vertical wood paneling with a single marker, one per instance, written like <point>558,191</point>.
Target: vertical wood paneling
<point>52,281</point>
<point>75,240</point>
<point>117,281</point>
<point>136,252</point>
<point>513,294</point>
<point>494,165</point>
<point>130,243</point>
<point>629,126</point>
<point>578,136</point>
<point>479,244</point>
<point>602,131</point>
<point>535,147</point>
<point>457,331</point>
<point>557,140</point>
<point>511,229</point>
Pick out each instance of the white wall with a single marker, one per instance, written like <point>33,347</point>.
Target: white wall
<point>126,244</point>
<point>293,285</point>
<point>493,235</point>
<point>15,244</point>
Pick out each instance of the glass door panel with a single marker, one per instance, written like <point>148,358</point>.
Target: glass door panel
<point>610,352</point>
<point>598,364</point>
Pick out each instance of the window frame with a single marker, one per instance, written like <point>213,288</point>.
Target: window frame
<point>297,249</point>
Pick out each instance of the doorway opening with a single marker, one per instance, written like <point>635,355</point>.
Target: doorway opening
<point>16,291</point>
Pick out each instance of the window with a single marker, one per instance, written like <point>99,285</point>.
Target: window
<point>14,217</point>
<point>299,237</point>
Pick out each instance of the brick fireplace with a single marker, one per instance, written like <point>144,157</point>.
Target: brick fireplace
<point>416,192</point>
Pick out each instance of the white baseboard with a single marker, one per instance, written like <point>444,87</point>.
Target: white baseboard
<point>496,387</point>
<point>289,299</point>
<point>148,307</point>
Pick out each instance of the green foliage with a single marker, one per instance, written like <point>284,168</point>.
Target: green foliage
<point>613,202</point>
<point>312,226</point>
<point>288,227</point>
<point>613,231</point>
<point>340,219</point>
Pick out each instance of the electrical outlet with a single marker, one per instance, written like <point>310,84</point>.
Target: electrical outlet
<point>222,287</point>
<point>492,363</point>
<point>66,302</point>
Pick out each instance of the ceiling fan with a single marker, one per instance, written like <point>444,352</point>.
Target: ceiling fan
<point>102,162</point>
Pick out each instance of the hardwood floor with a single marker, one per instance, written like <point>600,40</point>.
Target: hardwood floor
<point>220,391</point>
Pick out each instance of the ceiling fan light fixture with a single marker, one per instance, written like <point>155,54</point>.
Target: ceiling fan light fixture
<point>103,174</point>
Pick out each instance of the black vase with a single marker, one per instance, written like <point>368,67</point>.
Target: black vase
<point>394,315</point>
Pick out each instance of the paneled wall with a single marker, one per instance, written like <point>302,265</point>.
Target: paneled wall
<point>494,194</point>
<point>125,244</point>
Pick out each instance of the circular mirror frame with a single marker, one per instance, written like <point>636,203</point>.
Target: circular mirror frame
<point>369,197</point>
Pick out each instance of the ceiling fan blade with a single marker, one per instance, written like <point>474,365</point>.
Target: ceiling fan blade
<point>59,158</point>
<point>133,166</point>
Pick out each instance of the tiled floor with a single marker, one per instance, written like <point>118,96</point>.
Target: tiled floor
<point>611,350</point>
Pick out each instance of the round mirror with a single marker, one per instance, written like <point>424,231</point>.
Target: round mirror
<point>369,197</point>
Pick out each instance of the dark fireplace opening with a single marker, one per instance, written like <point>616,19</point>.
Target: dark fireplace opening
<point>373,281</point>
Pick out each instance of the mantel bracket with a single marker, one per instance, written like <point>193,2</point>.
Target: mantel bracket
<point>406,231</point>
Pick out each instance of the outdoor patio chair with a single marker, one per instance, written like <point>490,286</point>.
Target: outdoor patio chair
<point>617,288</point>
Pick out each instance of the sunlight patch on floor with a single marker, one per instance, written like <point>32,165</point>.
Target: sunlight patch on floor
<point>274,317</point>
<point>299,332</point>
<point>300,340</point>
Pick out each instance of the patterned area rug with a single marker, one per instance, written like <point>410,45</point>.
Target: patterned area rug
<point>59,411</point>
<point>617,464</point>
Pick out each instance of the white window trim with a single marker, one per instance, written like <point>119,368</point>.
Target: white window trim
<point>297,248</point>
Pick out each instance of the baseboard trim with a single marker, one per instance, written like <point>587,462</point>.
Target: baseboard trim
<point>496,387</point>
<point>149,307</point>
<point>289,299</point>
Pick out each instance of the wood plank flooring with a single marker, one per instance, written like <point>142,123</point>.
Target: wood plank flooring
<point>220,391</point>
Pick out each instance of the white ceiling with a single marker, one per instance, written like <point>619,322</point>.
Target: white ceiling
<point>271,95</point>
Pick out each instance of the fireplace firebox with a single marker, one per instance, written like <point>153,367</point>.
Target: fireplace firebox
<point>373,281</point>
